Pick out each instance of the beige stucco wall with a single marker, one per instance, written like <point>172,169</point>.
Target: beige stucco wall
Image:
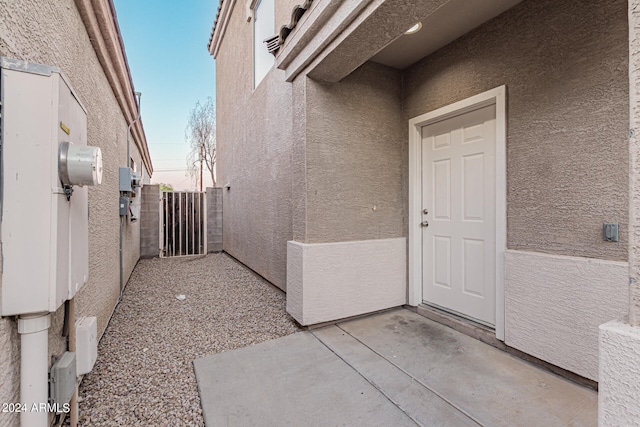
<point>53,33</point>
<point>634,161</point>
<point>567,127</point>
<point>342,146</point>
<point>9,368</point>
<point>254,129</point>
<point>565,68</point>
<point>355,157</point>
<point>619,385</point>
<point>310,160</point>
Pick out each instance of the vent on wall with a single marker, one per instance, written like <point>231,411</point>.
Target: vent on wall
<point>273,44</point>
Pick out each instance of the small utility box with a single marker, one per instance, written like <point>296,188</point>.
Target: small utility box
<point>44,220</point>
<point>62,380</point>
<point>125,179</point>
<point>86,344</point>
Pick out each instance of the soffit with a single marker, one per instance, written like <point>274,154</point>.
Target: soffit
<point>449,22</point>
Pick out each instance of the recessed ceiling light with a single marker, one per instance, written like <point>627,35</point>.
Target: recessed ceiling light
<point>414,29</point>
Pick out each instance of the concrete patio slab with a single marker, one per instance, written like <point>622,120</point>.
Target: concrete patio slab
<point>493,387</point>
<point>291,381</point>
<point>421,404</point>
<point>395,368</point>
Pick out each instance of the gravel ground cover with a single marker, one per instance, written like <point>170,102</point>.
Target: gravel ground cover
<point>144,373</point>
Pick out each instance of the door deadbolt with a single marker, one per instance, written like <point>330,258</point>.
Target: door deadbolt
<point>425,211</point>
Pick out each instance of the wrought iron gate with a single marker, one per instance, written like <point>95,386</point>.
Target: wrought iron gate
<point>183,223</point>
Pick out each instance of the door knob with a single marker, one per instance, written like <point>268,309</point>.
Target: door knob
<point>424,223</point>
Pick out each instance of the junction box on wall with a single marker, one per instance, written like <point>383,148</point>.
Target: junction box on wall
<point>130,183</point>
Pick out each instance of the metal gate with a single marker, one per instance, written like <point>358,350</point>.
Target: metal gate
<point>183,223</point>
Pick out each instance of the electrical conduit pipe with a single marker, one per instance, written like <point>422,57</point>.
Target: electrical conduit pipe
<point>139,96</point>
<point>34,368</point>
<point>73,416</point>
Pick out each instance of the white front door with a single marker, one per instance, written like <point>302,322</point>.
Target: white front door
<point>459,214</point>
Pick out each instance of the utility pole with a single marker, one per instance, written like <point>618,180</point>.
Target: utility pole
<point>201,147</point>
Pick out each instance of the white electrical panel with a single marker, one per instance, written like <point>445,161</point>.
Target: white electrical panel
<point>44,221</point>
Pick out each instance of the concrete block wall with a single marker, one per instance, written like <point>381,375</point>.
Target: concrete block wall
<point>150,222</point>
<point>214,219</point>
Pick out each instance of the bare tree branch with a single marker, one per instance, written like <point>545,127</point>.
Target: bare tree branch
<point>200,134</point>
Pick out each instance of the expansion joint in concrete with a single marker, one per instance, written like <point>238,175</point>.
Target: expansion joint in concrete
<point>381,390</point>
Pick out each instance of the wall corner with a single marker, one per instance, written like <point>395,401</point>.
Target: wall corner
<point>619,377</point>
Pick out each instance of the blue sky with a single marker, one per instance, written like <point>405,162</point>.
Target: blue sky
<point>166,45</point>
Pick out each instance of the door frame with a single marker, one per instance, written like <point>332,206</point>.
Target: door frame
<point>497,97</point>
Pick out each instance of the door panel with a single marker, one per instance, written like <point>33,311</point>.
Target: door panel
<point>442,189</point>
<point>442,263</point>
<point>458,196</point>
<point>472,194</point>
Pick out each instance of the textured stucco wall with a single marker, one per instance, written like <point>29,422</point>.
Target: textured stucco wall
<point>214,219</point>
<point>254,151</point>
<point>634,161</point>
<point>355,145</point>
<point>565,68</point>
<point>150,221</point>
<point>299,161</point>
<point>619,385</point>
<point>554,305</point>
<point>53,33</point>
<point>331,281</point>
<point>9,368</point>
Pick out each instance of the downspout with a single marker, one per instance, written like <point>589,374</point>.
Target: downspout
<point>128,164</point>
<point>34,368</point>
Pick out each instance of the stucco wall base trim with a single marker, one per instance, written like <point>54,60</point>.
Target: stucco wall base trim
<point>554,305</point>
<point>619,375</point>
<point>331,281</point>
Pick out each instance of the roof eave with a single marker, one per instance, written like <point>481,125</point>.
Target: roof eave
<point>220,26</point>
<point>99,19</point>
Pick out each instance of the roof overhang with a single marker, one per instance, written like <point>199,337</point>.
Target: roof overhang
<point>220,25</point>
<point>333,38</point>
<point>449,22</point>
<point>99,18</point>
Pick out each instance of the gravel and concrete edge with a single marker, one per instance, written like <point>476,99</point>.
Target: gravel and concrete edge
<point>144,373</point>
